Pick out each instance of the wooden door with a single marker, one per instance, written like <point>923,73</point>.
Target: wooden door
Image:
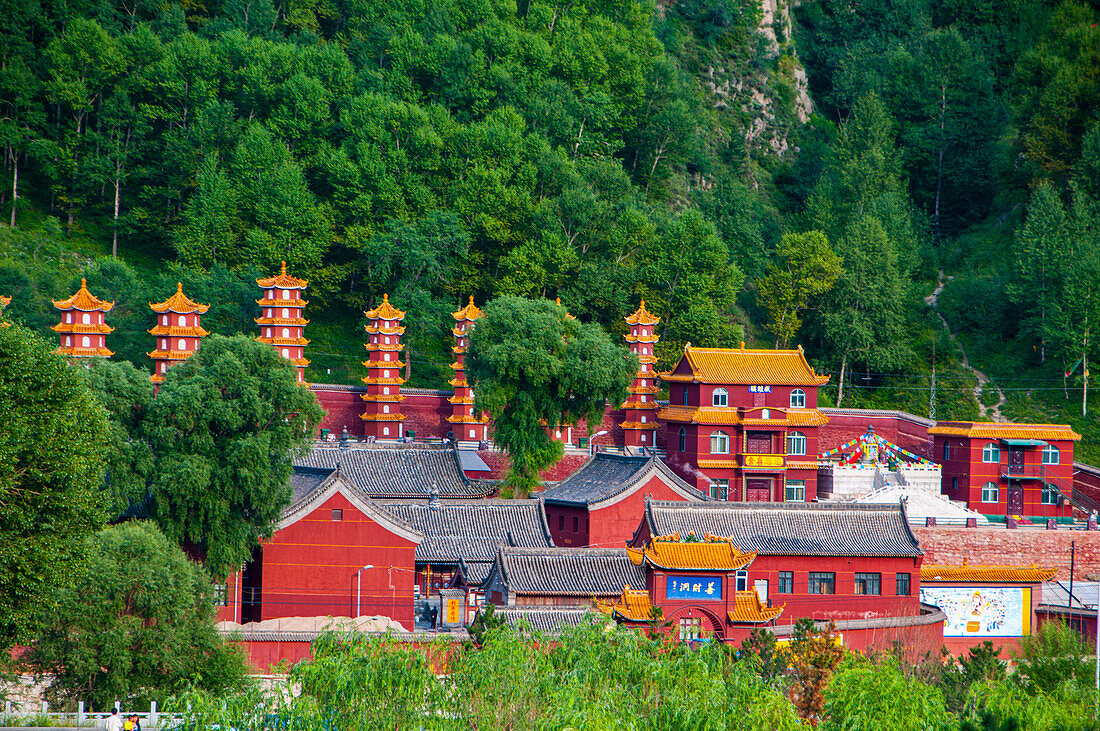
<point>1015,461</point>
<point>758,442</point>
<point>758,489</point>
<point>1015,500</point>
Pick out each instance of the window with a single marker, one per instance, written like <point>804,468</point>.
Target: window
<point>183,321</point>
<point>719,443</point>
<point>286,353</point>
<point>86,342</point>
<point>991,453</point>
<point>946,451</point>
<point>337,514</point>
<point>221,594</point>
<point>822,582</point>
<point>1051,454</point>
<point>1051,496</point>
<point>901,585</point>
<point>561,522</point>
<point>786,582</point>
<point>798,399</point>
<point>990,493</point>
<point>286,332</point>
<point>689,628</point>
<point>796,443</point>
<point>867,583</point>
<point>86,318</point>
<point>385,408</point>
<point>720,489</point>
<point>286,313</point>
<point>954,484</point>
<point>795,491</point>
<point>576,524</point>
<point>742,581</point>
<point>683,439</point>
<point>720,397</point>
<point>182,344</point>
<point>684,395</point>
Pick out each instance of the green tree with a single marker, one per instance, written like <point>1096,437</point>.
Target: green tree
<point>51,462</point>
<point>807,268</point>
<point>1053,655</point>
<point>137,626</point>
<point>813,657</point>
<point>863,695</point>
<point>224,428</point>
<point>534,368</point>
<point>1038,253</point>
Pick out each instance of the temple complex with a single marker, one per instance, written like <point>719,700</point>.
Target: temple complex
<point>640,426</point>
<point>82,330</point>
<point>177,331</point>
<point>282,324</point>
<point>468,426</point>
<point>382,415</point>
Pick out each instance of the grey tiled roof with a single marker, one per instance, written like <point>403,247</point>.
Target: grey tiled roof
<point>397,470</point>
<point>792,529</point>
<point>305,480</point>
<point>472,529</point>
<point>607,475</point>
<point>576,572</point>
<point>475,572</point>
<point>549,621</point>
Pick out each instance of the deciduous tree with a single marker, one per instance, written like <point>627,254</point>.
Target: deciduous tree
<point>807,268</point>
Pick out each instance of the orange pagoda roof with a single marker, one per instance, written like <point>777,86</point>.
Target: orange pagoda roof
<point>557,301</point>
<point>713,553</point>
<point>84,301</point>
<point>634,605</point>
<point>994,430</point>
<point>745,366</point>
<point>4,302</point>
<point>385,311</point>
<point>179,303</point>
<point>283,281</point>
<point>469,312</point>
<point>1033,574</point>
<point>642,316</point>
<point>748,609</point>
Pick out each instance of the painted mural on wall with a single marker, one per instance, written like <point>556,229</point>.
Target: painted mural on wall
<point>981,611</point>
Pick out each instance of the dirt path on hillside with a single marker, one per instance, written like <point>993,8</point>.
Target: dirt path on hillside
<point>991,413</point>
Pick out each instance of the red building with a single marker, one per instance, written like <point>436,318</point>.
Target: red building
<point>282,324</point>
<point>335,553</point>
<point>742,424</point>
<point>177,331</point>
<point>559,577</point>
<point>823,560</point>
<point>640,427</point>
<point>1007,469</point>
<point>599,505</point>
<point>82,329</point>
<point>382,417</point>
<point>468,426</point>
<point>985,602</point>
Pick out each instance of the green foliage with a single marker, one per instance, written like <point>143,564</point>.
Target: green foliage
<point>137,625</point>
<point>807,269</point>
<point>485,621</point>
<point>1053,655</point>
<point>533,368</point>
<point>863,695</point>
<point>51,470</point>
<point>224,427</point>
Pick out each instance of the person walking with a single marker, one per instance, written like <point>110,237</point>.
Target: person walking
<point>114,721</point>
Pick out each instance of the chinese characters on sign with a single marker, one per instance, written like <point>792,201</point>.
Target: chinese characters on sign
<point>760,389</point>
<point>694,587</point>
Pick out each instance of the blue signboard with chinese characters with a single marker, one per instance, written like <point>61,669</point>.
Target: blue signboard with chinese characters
<point>694,587</point>
<point>760,389</point>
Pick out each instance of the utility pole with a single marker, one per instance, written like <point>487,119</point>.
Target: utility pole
<point>932,392</point>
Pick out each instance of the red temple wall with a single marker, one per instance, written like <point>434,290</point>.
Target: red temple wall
<point>613,526</point>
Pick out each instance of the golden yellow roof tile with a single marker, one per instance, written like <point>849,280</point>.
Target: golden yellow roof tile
<point>712,553</point>
<point>634,605</point>
<point>84,301</point>
<point>385,311</point>
<point>747,366</point>
<point>283,280</point>
<point>179,303</point>
<point>986,573</point>
<point>993,430</point>
<point>747,608</point>
<point>642,316</point>
<point>727,415</point>
<point>469,312</point>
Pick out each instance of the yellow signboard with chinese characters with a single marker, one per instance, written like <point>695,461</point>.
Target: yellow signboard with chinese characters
<point>452,611</point>
<point>763,460</point>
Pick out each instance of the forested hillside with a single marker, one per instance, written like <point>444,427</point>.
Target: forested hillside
<point>780,175</point>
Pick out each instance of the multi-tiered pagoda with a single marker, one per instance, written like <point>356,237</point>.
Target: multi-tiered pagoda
<point>382,415</point>
<point>468,426</point>
<point>640,426</point>
<point>177,331</point>
<point>82,330</point>
<point>282,324</point>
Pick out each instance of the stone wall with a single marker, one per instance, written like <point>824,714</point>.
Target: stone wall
<point>1023,546</point>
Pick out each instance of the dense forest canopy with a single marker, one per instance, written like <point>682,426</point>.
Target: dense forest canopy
<point>707,156</point>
